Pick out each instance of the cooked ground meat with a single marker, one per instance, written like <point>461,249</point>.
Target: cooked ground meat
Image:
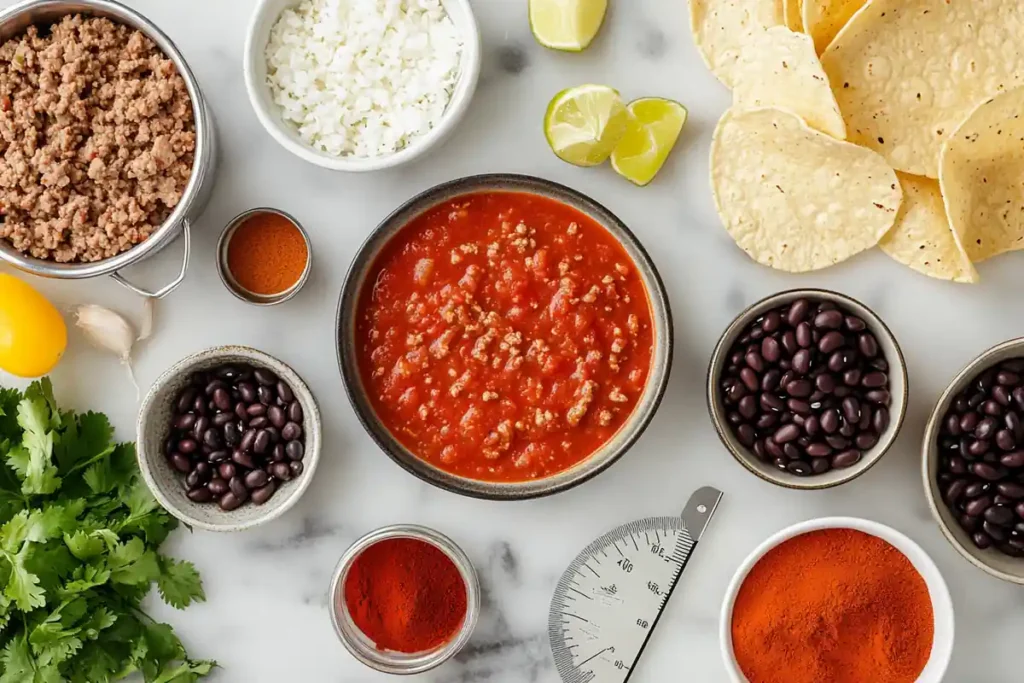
<point>97,139</point>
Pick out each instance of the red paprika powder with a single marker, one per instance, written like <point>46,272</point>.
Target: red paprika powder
<point>405,595</point>
<point>835,606</point>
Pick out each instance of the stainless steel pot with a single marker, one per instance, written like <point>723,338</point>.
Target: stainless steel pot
<point>16,19</point>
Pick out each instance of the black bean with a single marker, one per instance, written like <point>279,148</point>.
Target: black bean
<point>200,495</point>
<point>977,488</point>
<point>981,539</point>
<point>846,459</point>
<point>229,501</point>
<point>799,388</point>
<point>296,467</point>
<point>185,422</point>
<point>199,406</point>
<point>181,463</point>
<point>854,324</point>
<point>237,486</point>
<point>213,386</point>
<point>256,479</point>
<point>1010,489</point>
<point>261,443</point>
<point>749,378</point>
<point>284,392</point>
<point>222,399</point>
<point>770,382</point>
<point>259,422</point>
<point>221,419</point>
<point>852,378</point>
<point>217,486</point>
<point>186,399</point>
<point>851,410</point>
<point>746,435</point>
<point>798,311</point>
<point>802,361</point>
<point>247,392</point>
<point>820,465</point>
<point>812,425</point>
<point>281,471</point>
<point>291,432</point>
<point>218,456</point>
<point>986,428</point>
<point>956,465</point>
<point>248,438</point>
<point>997,532</point>
<point>828,320</point>
<point>213,438</point>
<point>830,421</point>
<point>1008,378</point>
<point>770,349</point>
<point>867,345</point>
<point>278,454</point>
<point>242,410</point>
<point>1001,500</point>
<point>265,394</point>
<point>295,450</point>
<point>969,421</point>
<point>188,446</point>
<point>277,416</point>
<point>818,450</point>
<point>831,342</point>
<point>265,377</point>
<point>825,383</point>
<point>977,448</point>
<point>999,515</point>
<point>789,343</point>
<point>747,407</point>
<point>766,420</point>
<point>1013,460</point>
<point>243,459</point>
<point>987,471</point>
<point>262,495</point>
<point>976,506</point>
<point>879,396</point>
<point>256,410</point>
<point>226,470</point>
<point>804,337</point>
<point>874,380</point>
<point>865,440</point>
<point>799,468</point>
<point>991,408</point>
<point>955,491</point>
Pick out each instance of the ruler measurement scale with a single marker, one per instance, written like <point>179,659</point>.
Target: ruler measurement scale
<point>608,602</point>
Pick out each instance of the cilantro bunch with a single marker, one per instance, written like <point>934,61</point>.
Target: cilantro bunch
<point>79,540</point>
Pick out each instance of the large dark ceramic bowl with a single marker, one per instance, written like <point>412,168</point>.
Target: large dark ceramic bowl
<point>602,458</point>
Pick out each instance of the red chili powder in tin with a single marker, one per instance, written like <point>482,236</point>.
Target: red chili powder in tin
<point>405,595</point>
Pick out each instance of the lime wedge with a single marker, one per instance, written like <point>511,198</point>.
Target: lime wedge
<point>566,24</point>
<point>583,124</point>
<point>653,128</point>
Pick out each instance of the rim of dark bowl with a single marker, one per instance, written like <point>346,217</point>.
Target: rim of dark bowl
<point>643,413</point>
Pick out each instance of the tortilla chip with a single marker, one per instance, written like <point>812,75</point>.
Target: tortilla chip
<point>793,12</point>
<point>923,238</point>
<point>779,68</point>
<point>982,177</point>
<point>823,19</point>
<point>796,199</point>
<point>907,72</point>
<point>721,28</point>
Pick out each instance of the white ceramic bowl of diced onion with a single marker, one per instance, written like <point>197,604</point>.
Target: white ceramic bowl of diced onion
<point>312,146</point>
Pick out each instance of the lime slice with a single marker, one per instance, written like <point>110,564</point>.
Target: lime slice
<point>583,124</point>
<point>654,126</point>
<point>566,24</point>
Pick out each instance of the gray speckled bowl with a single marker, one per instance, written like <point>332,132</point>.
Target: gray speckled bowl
<point>603,457</point>
<point>168,485</point>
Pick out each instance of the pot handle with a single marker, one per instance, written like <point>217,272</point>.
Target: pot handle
<point>167,289</point>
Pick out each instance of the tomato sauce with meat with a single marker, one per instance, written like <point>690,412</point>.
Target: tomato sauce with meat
<point>504,336</point>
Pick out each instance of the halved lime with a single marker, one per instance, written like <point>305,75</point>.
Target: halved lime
<point>653,128</point>
<point>566,24</point>
<point>584,124</point>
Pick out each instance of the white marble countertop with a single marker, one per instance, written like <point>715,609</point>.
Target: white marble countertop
<point>266,617</point>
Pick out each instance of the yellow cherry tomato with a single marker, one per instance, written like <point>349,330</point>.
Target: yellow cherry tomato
<point>33,335</point>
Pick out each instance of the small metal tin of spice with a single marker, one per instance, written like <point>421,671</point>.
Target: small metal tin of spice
<point>224,270</point>
<point>388,661</point>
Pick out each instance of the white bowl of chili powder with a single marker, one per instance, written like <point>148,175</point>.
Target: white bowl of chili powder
<point>837,595</point>
<point>504,337</point>
<point>404,599</point>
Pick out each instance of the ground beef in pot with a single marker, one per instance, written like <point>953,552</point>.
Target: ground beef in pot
<point>97,139</point>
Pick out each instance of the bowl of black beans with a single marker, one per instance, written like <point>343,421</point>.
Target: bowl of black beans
<point>807,388</point>
<point>973,464</point>
<point>228,438</point>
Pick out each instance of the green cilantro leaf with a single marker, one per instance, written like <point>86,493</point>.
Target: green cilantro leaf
<point>186,672</point>
<point>179,583</point>
<point>32,459</point>
<point>132,564</point>
<point>23,586</point>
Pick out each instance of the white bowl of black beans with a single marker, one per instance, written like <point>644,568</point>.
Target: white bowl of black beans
<point>228,438</point>
<point>973,461</point>
<point>807,388</point>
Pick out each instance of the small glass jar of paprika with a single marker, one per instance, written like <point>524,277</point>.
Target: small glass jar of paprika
<point>344,616</point>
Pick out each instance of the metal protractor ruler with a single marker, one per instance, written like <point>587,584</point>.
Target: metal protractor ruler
<point>609,600</point>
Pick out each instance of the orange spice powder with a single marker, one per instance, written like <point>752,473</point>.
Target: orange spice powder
<point>835,606</point>
<point>267,254</point>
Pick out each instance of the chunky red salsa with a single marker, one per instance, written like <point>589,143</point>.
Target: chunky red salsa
<point>506,336</point>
